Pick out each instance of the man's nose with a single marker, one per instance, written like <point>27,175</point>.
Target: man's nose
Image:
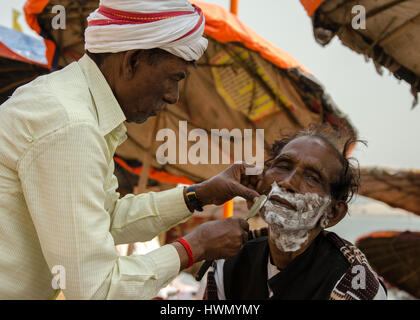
<point>171,97</point>
<point>290,183</point>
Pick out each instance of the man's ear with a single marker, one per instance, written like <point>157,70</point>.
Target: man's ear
<point>130,62</point>
<point>337,212</point>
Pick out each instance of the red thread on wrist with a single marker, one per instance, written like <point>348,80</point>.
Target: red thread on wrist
<point>187,247</point>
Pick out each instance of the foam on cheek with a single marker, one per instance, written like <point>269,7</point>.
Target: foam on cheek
<point>289,228</point>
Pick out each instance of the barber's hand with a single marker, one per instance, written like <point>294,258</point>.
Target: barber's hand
<point>218,239</point>
<point>228,184</point>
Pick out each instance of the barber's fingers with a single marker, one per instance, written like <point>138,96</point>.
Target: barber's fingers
<point>245,237</point>
<point>249,204</point>
<point>244,224</point>
<point>251,180</point>
<point>248,169</point>
<point>248,194</point>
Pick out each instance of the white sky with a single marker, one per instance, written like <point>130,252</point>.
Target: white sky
<point>379,106</point>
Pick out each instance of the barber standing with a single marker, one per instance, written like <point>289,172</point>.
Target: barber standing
<point>58,206</point>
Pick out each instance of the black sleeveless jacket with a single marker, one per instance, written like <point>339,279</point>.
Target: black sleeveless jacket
<point>311,275</point>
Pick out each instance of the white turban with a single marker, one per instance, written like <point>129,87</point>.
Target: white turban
<point>172,25</point>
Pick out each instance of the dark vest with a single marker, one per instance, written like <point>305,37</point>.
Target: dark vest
<point>311,275</point>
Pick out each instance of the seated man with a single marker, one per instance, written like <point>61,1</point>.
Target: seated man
<point>308,183</point>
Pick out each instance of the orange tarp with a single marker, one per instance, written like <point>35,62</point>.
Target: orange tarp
<point>224,26</point>
<point>311,5</point>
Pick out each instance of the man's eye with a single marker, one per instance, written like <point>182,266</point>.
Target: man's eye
<point>282,166</point>
<point>313,178</point>
<point>179,77</point>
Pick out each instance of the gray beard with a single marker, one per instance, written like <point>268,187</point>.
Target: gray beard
<point>290,229</point>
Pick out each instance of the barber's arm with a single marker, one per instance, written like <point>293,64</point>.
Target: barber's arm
<point>137,218</point>
<point>141,217</point>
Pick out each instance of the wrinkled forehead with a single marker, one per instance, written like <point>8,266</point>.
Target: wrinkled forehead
<point>314,153</point>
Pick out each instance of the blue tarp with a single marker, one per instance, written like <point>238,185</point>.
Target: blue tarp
<point>24,45</point>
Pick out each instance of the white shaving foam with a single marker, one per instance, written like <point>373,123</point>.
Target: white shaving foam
<point>289,228</point>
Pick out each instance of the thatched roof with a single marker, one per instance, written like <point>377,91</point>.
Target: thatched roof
<point>396,257</point>
<point>391,37</point>
<point>399,189</point>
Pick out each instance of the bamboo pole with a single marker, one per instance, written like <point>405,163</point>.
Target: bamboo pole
<point>228,209</point>
<point>234,7</point>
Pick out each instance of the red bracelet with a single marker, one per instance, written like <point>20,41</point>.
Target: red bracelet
<point>188,249</point>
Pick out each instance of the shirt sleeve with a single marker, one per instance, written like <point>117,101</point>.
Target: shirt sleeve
<point>381,295</point>
<point>138,218</point>
<point>62,177</point>
<point>218,277</point>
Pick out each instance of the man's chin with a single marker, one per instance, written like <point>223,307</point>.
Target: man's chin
<point>138,120</point>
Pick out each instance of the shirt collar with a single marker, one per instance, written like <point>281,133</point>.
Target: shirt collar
<point>272,269</point>
<point>110,114</point>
